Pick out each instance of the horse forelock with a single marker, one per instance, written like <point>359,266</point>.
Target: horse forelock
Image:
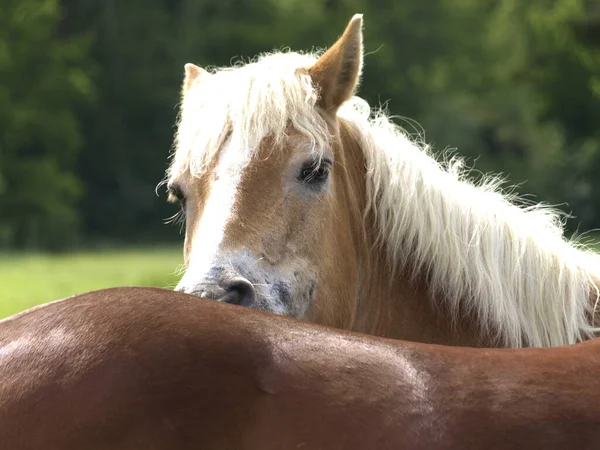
<point>245,104</point>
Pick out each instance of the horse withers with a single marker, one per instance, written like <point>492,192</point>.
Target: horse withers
<point>146,368</point>
<point>300,201</point>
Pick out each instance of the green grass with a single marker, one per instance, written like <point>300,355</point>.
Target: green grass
<point>31,279</point>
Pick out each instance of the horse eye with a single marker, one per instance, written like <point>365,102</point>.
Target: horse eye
<point>176,194</point>
<point>315,172</point>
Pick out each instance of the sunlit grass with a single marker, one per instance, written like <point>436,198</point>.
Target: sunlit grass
<point>30,279</point>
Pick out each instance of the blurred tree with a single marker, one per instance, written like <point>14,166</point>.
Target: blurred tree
<point>43,78</point>
<point>129,132</point>
<point>568,80</point>
<point>510,83</point>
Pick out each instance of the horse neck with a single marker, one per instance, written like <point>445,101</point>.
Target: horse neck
<point>397,304</point>
<point>393,302</point>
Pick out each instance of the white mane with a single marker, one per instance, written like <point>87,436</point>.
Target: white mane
<point>509,265</point>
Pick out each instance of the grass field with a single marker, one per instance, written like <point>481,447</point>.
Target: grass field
<point>30,279</point>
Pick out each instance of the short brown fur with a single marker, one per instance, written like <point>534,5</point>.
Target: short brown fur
<point>338,71</point>
<point>145,368</point>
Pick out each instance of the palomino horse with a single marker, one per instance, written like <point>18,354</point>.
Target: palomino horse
<point>300,202</point>
<point>151,369</point>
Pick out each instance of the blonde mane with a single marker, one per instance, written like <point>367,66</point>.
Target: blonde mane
<point>482,253</point>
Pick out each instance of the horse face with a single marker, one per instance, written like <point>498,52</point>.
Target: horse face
<point>258,232</point>
<point>264,186</point>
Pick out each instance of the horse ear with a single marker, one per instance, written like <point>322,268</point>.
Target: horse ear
<point>338,71</point>
<point>193,73</point>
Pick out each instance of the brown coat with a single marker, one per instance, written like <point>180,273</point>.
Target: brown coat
<point>145,368</point>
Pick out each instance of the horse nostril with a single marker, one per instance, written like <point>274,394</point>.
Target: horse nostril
<point>239,291</point>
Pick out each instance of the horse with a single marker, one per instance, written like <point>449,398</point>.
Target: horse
<point>155,369</point>
<point>302,201</point>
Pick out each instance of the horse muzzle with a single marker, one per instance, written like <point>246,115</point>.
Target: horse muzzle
<point>235,290</point>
